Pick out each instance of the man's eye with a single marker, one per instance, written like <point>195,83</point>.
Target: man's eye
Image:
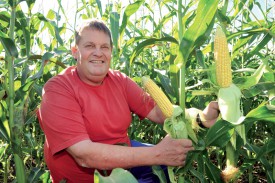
<point>89,46</point>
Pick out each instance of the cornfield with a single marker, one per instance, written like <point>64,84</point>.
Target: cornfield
<point>170,41</point>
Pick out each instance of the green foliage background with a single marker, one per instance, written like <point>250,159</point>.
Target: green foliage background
<point>172,42</point>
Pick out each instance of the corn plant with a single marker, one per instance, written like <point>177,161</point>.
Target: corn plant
<point>172,42</point>
<point>21,84</point>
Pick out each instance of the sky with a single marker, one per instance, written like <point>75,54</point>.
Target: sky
<point>43,6</point>
<point>69,6</point>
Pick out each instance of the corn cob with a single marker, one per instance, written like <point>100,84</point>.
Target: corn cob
<point>174,123</point>
<point>229,94</point>
<point>160,98</point>
<point>223,62</point>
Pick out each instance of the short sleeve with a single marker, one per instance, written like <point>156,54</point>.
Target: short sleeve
<point>61,116</point>
<point>139,101</point>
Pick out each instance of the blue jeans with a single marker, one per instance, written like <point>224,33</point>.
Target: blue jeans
<point>144,174</point>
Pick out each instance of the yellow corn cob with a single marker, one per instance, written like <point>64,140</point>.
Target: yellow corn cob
<point>159,97</point>
<point>222,58</point>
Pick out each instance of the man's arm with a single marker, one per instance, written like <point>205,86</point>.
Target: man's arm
<point>156,115</point>
<point>209,114</point>
<point>169,152</point>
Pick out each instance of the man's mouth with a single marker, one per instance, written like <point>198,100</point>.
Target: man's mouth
<point>97,61</point>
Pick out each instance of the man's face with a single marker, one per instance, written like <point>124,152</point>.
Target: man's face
<point>93,54</point>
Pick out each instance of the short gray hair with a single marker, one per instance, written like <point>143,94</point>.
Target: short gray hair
<point>94,24</point>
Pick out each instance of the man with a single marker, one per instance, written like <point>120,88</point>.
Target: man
<point>86,110</point>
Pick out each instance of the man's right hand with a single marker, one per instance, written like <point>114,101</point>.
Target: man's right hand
<point>173,152</point>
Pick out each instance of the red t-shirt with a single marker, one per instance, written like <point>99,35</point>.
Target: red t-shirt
<point>72,111</point>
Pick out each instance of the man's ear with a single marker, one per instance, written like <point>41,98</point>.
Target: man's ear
<point>74,51</point>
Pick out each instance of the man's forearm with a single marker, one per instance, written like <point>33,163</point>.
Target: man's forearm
<point>105,157</point>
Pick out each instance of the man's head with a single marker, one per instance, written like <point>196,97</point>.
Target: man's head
<point>94,24</point>
<point>93,51</point>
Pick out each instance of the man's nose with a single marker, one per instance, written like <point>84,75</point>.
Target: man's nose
<point>97,52</point>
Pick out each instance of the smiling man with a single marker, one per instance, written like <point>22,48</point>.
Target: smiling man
<point>93,52</point>
<point>87,109</point>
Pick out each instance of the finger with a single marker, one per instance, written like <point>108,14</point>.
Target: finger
<point>187,149</point>
<point>186,142</point>
<point>183,163</point>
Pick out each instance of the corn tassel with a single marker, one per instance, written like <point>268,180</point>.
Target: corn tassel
<point>159,97</point>
<point>229,96</point>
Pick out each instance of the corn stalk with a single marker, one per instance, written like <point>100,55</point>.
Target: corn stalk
<point>15,127</point>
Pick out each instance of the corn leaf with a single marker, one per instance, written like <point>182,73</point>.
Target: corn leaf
<point>259,88</point>
<point>117,175</point>
<point>148,42</point>
<point>24,27</point>
<point>8,45</point>
<point>3,4</point>
<point>259,47</point>
<point>212,171</point>
<point>219,134</point>
<point>158,171</point>
<point>20,169</point>
<point>261,113</point>
<point>114,20</point>
<point>130,9</point>
<point>260,152</point>
<point>35,174</point>
<point>201,27</point>
<point>166,84</point>
<point>199,175</point>
<point>3,131</point>
<point>99,6</point>
<point>252,80</point>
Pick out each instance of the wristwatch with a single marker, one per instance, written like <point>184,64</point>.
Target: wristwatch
<point>199,121</point>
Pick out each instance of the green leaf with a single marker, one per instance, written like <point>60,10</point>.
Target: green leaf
<point>2,94</point>
<point>158,171</point>
<point>3,131</point>
<point>23,25</point>
<point>114,20</point>
<point>35,174</point>
<point>166,84</point>
<point>219,134</point>
<point>151,41</point>
<point>199,175</point>
<point>130,9</point>
<point>212,171</point>
<point>8,45</point>
<point>117,175</point>
<point>3,3</point>
<point>205,13</point>
<point>51,14</point>
<point>245,83</point>
<point>63,11</point>
<point>259,46</point>
<point>98,2</point>
<point>259,88</point>
<point>261,113</point>
<point>20,168</point>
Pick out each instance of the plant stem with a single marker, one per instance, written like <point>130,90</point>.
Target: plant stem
<point>230,155</point>
<point>273,168</point>
<point>250,176</point>
<point>182,69</point>
<point>14,128</point>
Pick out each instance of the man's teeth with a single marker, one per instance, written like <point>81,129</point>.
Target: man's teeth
<point>97,62</point>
